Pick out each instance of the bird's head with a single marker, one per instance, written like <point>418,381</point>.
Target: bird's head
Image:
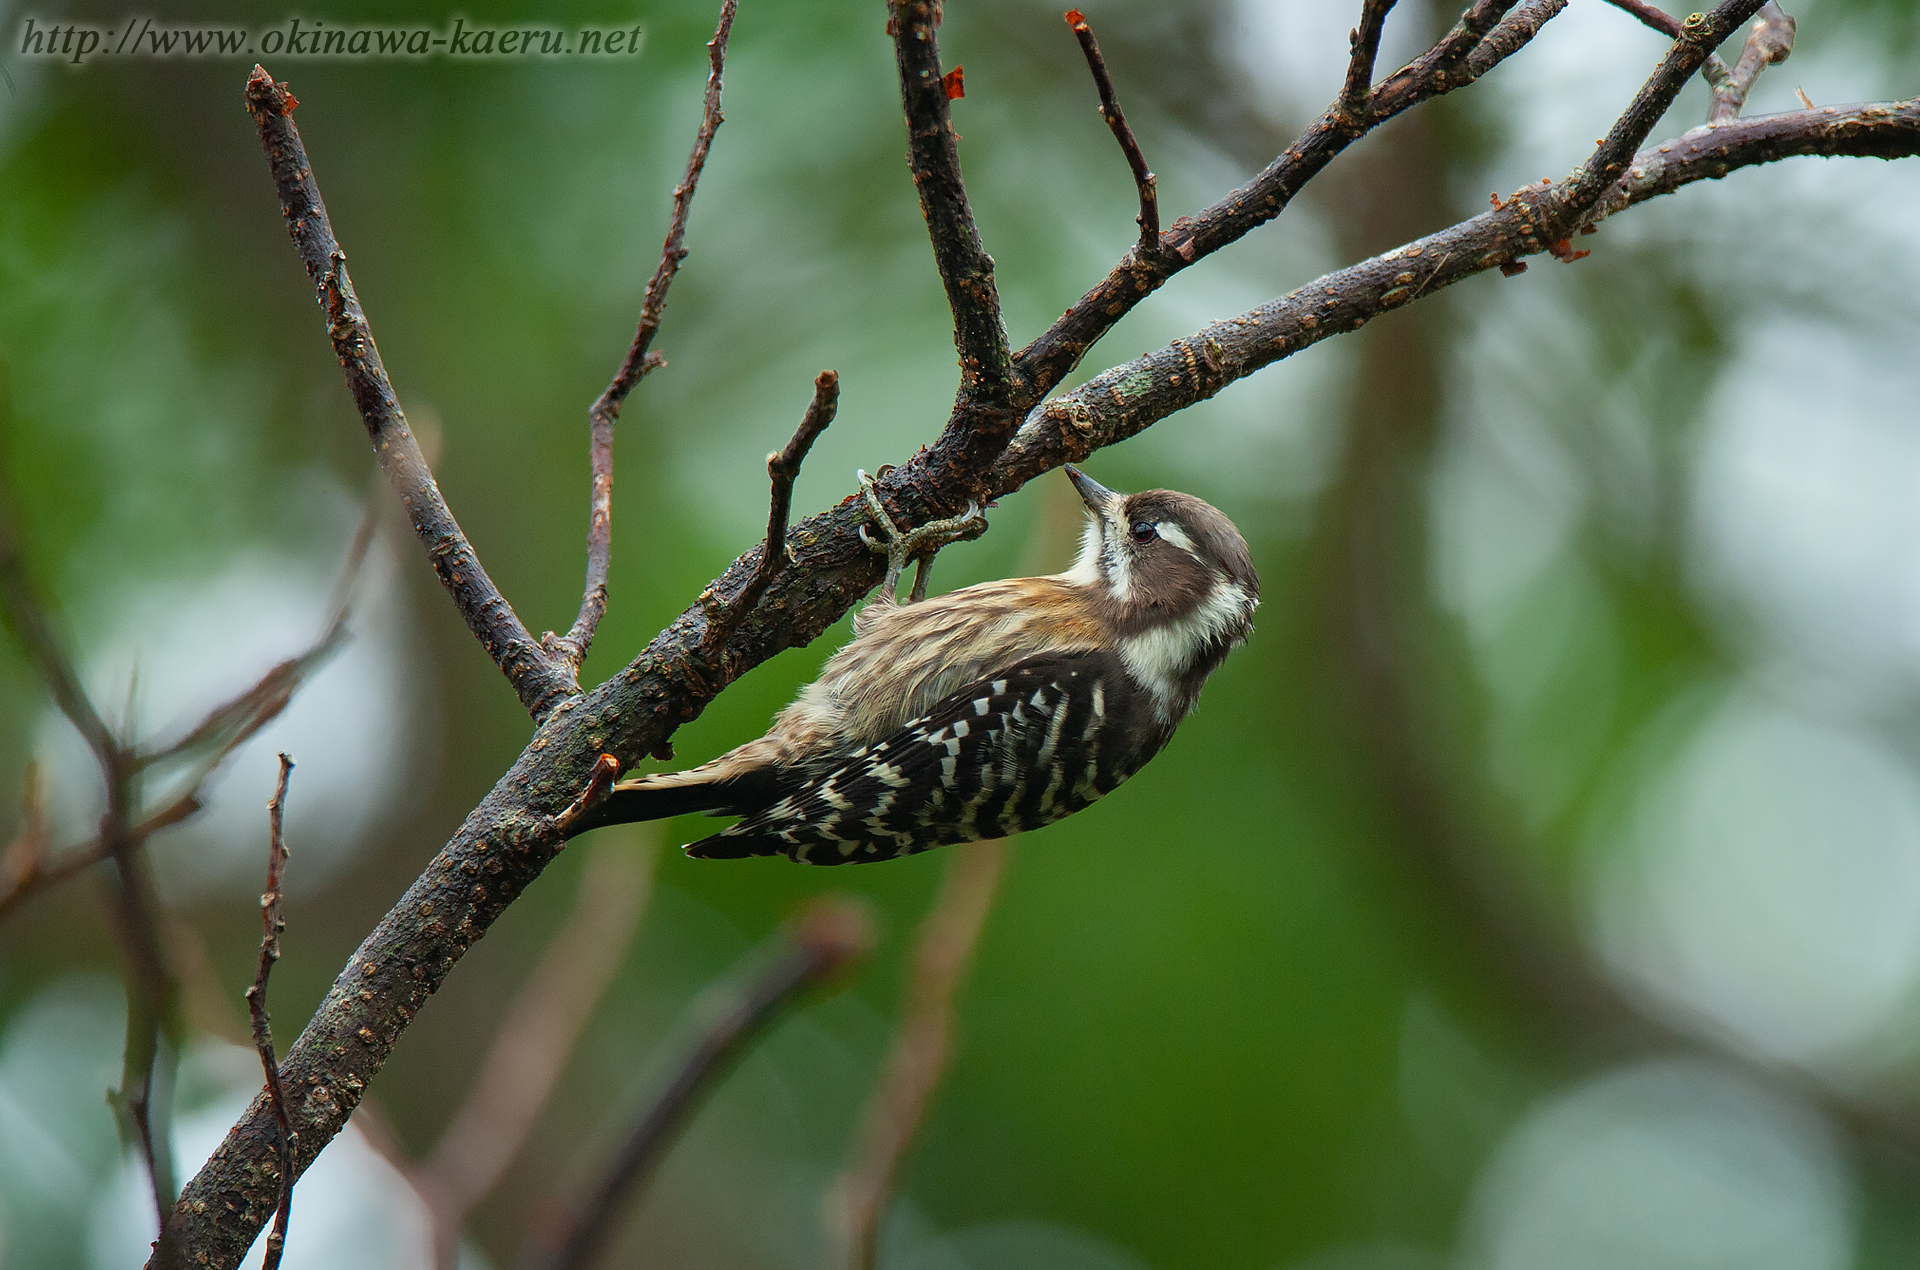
<point>1176,575</point>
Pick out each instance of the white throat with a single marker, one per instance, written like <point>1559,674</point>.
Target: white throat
<point>1159,659</point>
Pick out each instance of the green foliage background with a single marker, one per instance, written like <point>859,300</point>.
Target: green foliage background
<point>1284,1000</point>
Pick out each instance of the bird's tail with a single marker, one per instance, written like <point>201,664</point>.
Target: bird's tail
<point>666,794</point>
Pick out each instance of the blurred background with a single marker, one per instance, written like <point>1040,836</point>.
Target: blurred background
<point>1539,888</point>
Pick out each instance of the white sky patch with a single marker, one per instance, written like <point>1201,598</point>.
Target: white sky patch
<point>1667,1165</point>
<point>1767,884</point>
<point>1805,515</point>
<point>186,644</point>
<point>1294,52</point>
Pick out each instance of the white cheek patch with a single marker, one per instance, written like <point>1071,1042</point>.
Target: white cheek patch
<point>1159,658</point>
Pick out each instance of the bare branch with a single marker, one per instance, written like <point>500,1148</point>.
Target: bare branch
<point>1715,71</point>
<point>56,868</point>
<point>571,649</point>
<point>783,466</point>
<point>26,856</point>
<point>1458,44</point>
<point>933,156</point>
<point>538,680</point>
<point>1657,18</point>
<point>827,937</point>
<point>921,1047</point>
<point>231,724</point>
<point>152,990</point>
<point>1769,42</point>
<point>1042,364</point>
<point>1121,402</point>
<point>1700,34</point>
<point>1513,32</point>
<point>272,923</point>
<point>225,729</point>
<point>1365,38</point>
<point>27,618</point>
<point>1143,180</point>
<point>537,1037</point>
<point>407,956</point>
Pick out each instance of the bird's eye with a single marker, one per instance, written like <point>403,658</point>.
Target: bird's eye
<point>1143,531</point>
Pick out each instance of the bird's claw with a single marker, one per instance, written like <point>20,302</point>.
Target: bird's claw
<point>914,544</point>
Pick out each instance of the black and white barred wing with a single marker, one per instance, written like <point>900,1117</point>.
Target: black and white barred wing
<point>1015,752</point>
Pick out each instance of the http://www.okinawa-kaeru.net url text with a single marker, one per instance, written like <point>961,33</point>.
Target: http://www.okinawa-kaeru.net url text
<point>78,43</point>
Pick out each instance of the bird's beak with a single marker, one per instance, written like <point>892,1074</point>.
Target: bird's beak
<point>1099,499</point>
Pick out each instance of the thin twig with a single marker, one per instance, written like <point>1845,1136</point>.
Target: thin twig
<point>272,923</point>
<point>27,618</point>
<point>1143,180</point>
<point>408,955</point>
<point>1700,34</point>
<point>1514,31</point>
<point>154,1029</point>
<point>783,467</point>
<point>571,648</point>
<point>1455,61</point>
<point>225,729</point>
<point>1130,397</point>
<point>1769,42</point>
<point>537,1036</point>
<point>232,723</point>
<point>26,857</point>
<point>1715,70</point>
<point>933,156</point>
<point>57,867</point>
<point>1365,38</point>
<point>540,681</point>
<point>827,937</point>
<point>921,1047</point>
<point>1458,44</point>
<point>1657,18</point>
<point>153,1024</point>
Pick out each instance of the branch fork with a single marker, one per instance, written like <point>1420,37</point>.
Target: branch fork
<point>994,442</point>
<point>543,672</point>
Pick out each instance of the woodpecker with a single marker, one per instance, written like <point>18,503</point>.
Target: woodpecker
<point>990,710</point>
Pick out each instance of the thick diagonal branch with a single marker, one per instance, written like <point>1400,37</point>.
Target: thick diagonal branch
<point>933,156</point>
<point>1131,397</point>
<point>538,680</point>
<point>500,849</point>
<point>572,647</point>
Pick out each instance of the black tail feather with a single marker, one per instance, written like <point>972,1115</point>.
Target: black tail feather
<point>722,846</point>
<point>739,796</point>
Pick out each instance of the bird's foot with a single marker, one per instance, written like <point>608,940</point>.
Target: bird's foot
<point>914,544</point>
